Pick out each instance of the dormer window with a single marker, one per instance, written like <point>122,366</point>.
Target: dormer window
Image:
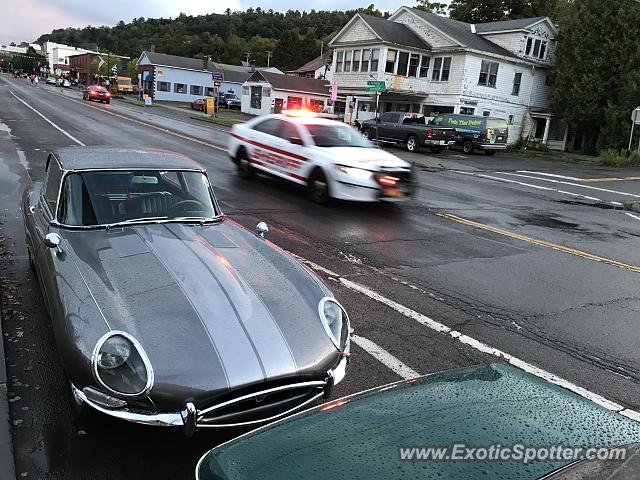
<point>536,48</point>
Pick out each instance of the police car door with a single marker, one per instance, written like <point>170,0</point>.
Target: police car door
<point>292,151</point>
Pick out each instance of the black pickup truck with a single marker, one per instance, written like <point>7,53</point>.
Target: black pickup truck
<point>410,129</point>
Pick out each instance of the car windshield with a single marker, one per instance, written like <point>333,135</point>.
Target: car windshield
<point>336,136</point>
<point>496,123</point>
<point>103,198</point>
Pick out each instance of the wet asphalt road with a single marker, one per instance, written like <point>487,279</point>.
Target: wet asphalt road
<point>574,316</point>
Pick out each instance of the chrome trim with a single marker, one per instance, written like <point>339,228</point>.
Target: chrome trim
<point>317,383</point>
<point>190,419</point>
<point>325,324</point>
<point>263,420</point>
<point>174,419</point>
<point>141,352</point>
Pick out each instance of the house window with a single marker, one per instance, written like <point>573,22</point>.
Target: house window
<point>414,62</point>
<point>391,61</point>
<point>339,59</point>
<point>467,110</point>
<point>256,97</point>
<point>441,68</point>
<point>245,90</point>
<point>403,63</point>
<point>548,78</point>
<point>536,48</point>
<point>527,51</point>
<point>164,86</point>
<point>543,50</point>
<point>356,60</point>
<point>316,105</point>
<point>517,79</point>
<point>366,56</point>
<point>179,88</point>
<point>510,119</point>
<point>488,73</point>
<point>375,58</point>
<point>348,55</point>
<point>195,90</point>
<point>486,113</point>
<point>424,66</point>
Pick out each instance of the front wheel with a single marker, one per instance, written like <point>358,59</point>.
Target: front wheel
<point>366,133</point>
<point>467,147</point>
<point>318,188</point>
<point>244,165</point>
<point>412,144</point>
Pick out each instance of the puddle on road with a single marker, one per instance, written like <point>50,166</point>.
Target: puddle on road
<point>603,206</point>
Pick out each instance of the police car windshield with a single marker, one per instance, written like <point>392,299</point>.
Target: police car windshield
<point>336,136</point>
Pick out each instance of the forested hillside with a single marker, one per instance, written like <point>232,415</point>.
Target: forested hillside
<point>293,38</point>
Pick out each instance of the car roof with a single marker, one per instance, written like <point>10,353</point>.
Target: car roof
<point>100,158</point>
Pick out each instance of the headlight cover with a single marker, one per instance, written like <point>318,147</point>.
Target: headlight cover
<point>121,366</point>
<point>359,173</point>
<point>336,322</point>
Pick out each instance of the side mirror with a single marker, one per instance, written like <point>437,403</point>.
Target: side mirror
<point>261,229</point>
<point>296,141</point>
<point>52,240</point>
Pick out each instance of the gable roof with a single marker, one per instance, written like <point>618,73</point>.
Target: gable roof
<point>461,33</point>
<point>313,65</point>
<point>173,60</point>
<point>292,83</point>
<point>518,24</point>
<point>394,32</point>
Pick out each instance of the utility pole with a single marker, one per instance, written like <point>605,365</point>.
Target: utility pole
<point>248,53</point>
<point>268,57</point>
<point>321,48</point>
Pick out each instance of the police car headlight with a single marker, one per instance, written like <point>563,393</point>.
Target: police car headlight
<point>358,173</point>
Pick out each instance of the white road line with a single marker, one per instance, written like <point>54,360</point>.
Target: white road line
<point>617,192</point>
<point>539,187</point>
<point>50,122</point>
<point>632,215</point>
<point>384,357</point>
<point>472,343</point>
<point>575,179</point>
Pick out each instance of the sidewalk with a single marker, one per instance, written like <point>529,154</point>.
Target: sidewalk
<point>6,452</point>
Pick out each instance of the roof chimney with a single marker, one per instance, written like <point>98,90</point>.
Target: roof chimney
<point>473,28</point>
<point>253,67</point>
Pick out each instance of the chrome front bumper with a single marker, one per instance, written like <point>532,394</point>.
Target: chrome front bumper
<point>190,418</point>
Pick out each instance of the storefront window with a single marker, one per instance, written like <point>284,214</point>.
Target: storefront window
<point>256,97</point>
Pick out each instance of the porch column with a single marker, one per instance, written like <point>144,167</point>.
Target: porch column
<point>545,137</point>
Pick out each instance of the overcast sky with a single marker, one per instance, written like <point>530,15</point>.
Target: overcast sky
<point>26,20</point>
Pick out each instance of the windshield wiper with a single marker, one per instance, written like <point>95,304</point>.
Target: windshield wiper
<point>134,221</point>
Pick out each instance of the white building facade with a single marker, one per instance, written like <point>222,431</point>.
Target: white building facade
<point>58,55</point>
<point>432,64</point>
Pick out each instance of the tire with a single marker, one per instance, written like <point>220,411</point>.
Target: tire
<point>244,166</point>
<point>412,144</point>
<point>467,147</point>
<point>108,102</point>
<point>318,188</point>
<point>490,152</point>
<point>436,149</point>
<point>366,133</point>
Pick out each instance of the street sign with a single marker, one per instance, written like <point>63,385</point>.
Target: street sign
<point>635,115</point>
<point>334,91</point>
<point>218,77</point>
<point>376,86</point>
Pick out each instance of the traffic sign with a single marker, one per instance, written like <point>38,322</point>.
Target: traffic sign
<point>218,77</point>
<point>635,115</point>
<point>376,86</point>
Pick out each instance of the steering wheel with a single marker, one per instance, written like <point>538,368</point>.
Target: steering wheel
<point>184,205</point>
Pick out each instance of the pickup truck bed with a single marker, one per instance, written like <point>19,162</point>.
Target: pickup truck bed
<point>410,129</point>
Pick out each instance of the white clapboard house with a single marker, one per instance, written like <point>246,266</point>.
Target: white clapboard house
<point>433,64</point>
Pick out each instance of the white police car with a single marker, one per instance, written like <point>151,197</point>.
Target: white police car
<point>328,157</point>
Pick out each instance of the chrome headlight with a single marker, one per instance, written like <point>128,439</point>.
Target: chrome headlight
<point>336,322</point>
<point>359,173</point>
<point>121,366</point>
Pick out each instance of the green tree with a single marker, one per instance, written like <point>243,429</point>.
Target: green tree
<point>596,82</point>
<point>431,6</point>
<point>478,11</point>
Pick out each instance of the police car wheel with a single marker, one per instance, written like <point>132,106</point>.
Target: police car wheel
<point>244,166</point>
<point>318,188</point>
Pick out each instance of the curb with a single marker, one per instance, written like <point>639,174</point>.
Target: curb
<point>7,469</point>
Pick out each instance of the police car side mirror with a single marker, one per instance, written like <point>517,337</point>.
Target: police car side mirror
<point>296,141</point>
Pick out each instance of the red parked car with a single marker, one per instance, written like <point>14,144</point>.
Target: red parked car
<point>96,92</point>
<point>198,104</point>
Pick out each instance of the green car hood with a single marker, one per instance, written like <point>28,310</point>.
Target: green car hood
<point>478,406</point>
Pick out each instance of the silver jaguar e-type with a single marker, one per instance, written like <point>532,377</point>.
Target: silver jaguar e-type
<point>164,311</point>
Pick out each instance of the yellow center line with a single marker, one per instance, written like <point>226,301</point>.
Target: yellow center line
<point>611,179</point>
<point>542,243</point>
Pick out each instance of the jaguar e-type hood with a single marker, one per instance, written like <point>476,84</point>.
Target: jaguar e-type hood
<point>214,307</point>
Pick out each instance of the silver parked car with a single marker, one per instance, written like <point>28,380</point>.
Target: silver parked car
<point>164,311</point>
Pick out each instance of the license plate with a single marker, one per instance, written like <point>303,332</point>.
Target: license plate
<point>443,142</point>
<point>393,192</point>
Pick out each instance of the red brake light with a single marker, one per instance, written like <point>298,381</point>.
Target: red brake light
<point>429,133</point>
<point>388,181</point>
<point>92,92</point>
